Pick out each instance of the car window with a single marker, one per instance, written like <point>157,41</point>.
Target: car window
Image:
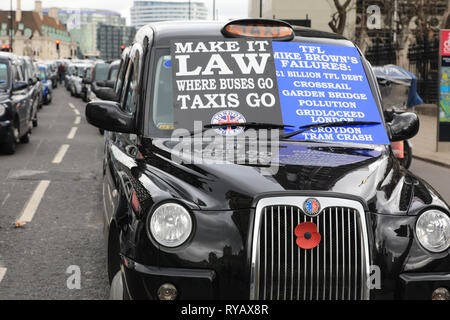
<point>42,74</point>
<point>129,95</point>
<point>101,71</point>
<point>162,96</point>
<point>120,77</point>
<point>17,74</point>
<point>113,74</point>
<point>347,95</point>
<point>3,75</point>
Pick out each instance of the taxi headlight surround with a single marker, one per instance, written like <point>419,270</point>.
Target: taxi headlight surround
<point>170,224</point>
<point>2,109</point>
<point>433,230</point>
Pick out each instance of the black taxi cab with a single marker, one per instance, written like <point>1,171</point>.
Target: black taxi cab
<point>249,160</point>
<point>16,103</point>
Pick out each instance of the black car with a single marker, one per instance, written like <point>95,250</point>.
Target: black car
<point>15,104</point>
<point>34,87</point>
<point>99,72</point>
<point>311,204</point>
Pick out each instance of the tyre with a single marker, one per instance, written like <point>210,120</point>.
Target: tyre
<point>25,138</point>
<point>9,146</point>
<point>71,92</point>
<point>102,132</point>
<point>48,98</point>
<point>35,120</point>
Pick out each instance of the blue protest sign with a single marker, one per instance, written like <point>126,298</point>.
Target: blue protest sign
<point>326,83</point>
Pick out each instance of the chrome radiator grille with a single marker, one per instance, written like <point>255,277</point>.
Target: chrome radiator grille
<point>335,269</point>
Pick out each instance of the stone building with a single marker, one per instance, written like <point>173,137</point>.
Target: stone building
<point>35,34</point>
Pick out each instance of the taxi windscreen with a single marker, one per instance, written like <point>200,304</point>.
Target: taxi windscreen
<point>263,81</point>
<point>3,75</point>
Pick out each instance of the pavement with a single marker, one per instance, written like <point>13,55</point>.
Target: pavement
<point>424,143</point>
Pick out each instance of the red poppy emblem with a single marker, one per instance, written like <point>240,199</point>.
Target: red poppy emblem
<point>307,235</point>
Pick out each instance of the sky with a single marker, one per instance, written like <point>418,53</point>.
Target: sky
<point>227,8</point>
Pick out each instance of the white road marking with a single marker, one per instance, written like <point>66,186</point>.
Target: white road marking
<point>76,112</point>
<point>72,133</point>
<point>2,273</point>
<point>71,105</point>
<point>6,198</point>
<point>60,154</point>
<point>77,120</point>
<point>33,204</point>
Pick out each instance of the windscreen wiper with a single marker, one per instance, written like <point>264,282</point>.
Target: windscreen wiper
<point>327,124</point>
<point>252,125</point>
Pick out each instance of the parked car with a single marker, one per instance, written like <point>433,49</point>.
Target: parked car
<point>51,65</point>
<point>47,85</point>
<point>35,90</point>
<point>99,72</point>
<point>15,104</point>
<point>319,210</point>
<point>37,75</point>
<point>76,80</point>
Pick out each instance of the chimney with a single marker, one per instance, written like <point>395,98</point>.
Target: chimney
<point>38,8</point>
<point>53,13</point>
<point>18,12</point>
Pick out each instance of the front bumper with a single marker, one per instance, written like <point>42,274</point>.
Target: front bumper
<point>142,282</point>
<point>420,286</point>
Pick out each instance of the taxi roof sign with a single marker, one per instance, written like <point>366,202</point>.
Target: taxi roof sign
<point>259,28</point>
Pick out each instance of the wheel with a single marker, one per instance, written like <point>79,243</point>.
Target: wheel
<point>48,98</point>
<point>35,120</point>
<point>9,146</point>
<point>71,91</point>
<point>102,132</point>
<point>26,137</point>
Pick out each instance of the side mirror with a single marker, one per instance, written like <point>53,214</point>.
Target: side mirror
<point>106,93</point>
<point>110,83</point>
<point>19,85</point>
<point>403,126</point>
<point>99,83</point>
<point>107,115</point>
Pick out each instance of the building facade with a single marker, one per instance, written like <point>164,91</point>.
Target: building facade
<point>35,34</point>
<point>72,17</point>
<point>318,12</point>
<point>111,38</point>
<point>96,31</point>
<point>147,11</point>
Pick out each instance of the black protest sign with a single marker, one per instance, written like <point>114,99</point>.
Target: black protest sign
<point>217,81</point>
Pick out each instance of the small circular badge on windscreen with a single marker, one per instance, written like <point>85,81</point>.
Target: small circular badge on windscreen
<point>230,117</point>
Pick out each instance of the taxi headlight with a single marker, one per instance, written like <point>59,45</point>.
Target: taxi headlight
<point>170,224</point>
<point>433,230</point>
<point>2,109</point>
